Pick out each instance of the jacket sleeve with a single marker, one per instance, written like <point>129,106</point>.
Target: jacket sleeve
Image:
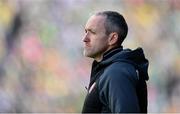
<point>117,88</point>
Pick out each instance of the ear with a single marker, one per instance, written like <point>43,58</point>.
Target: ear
<point>113,38</point>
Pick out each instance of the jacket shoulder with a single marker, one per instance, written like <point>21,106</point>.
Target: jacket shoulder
<point>120,69</point>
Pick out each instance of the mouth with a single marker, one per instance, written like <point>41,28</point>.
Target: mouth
<point>87,45</point>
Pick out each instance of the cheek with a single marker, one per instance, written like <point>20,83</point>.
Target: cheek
<point>101,44</point>
<point>99,41</point>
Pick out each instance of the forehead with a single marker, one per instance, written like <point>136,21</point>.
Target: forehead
<point>95,21</point>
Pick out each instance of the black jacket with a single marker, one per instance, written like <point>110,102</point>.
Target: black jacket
<point>118,83</point>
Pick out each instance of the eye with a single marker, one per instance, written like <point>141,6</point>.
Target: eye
<point>90,31</point>
<point>93,32</point>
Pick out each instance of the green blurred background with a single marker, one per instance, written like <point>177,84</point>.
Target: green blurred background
<point>42,68</point>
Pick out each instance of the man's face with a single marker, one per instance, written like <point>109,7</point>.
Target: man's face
<point>95,39</point>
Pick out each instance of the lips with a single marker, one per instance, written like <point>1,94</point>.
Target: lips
<point>86,45</point>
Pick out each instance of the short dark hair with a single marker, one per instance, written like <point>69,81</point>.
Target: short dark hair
<point>115,22</point>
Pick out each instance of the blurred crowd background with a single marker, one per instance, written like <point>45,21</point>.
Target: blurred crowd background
<point>42,68</point>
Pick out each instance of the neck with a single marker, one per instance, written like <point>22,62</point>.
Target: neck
<point>100,57</point>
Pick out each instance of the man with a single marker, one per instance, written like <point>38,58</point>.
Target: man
<point>118,76</point>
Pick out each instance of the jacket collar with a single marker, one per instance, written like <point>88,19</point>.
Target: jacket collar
<point>111,52</point>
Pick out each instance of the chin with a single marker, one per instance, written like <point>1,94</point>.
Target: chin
<point>87,54</point>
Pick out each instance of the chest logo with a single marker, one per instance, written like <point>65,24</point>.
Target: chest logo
<point>92,87</point>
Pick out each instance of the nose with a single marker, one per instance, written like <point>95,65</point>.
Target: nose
<point>86,38</point>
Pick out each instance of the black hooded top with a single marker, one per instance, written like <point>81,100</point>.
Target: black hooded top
<point>118,83</point>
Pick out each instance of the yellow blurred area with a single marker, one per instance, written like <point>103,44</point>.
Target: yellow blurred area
<point>6,13</point>
<point>145,15</point>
